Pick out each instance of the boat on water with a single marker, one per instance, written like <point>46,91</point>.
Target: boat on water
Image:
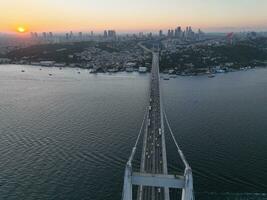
<point>173,76</point>
<point>22,70</point>
<point>129,69</point>
<point>93,71</point>
<point>112,70</point>
<point>50,74</point>
<point>166,78</point>
<point>211,75</point>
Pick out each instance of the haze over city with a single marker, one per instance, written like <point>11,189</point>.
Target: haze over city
<point>132,15</point>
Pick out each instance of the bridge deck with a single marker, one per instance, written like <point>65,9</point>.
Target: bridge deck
<point>154,151</point>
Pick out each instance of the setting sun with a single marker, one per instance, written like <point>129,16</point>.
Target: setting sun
<point>21,29</point>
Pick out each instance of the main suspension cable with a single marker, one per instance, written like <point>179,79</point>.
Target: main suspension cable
<point>176,144</point>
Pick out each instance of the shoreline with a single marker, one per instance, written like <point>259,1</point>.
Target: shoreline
<point>170,76</point>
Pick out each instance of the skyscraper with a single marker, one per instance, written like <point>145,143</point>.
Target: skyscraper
<point>44,35</point>
<point>169,33</point>
<point>160,33</point>
<point>111,33</point>
<point>178,32</point>
<point>105,33</point>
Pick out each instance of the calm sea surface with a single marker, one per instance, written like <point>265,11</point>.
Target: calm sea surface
<point>68,136</point>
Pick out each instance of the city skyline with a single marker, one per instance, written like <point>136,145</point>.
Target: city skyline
<point>133,16</point>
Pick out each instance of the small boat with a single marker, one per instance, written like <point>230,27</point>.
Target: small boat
<point>93,71</point>
<point>79,72</point>
<point>50,74</point>
<point>166,78</point>
<point>211,76</point>
<point>22,70</point>
<point>40,69</point>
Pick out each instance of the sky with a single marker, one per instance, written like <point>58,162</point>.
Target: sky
<point>132,15</point>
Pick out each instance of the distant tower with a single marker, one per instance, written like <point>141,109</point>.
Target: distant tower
<point>105,33</point>
<point>44,35</point>
<point>169,33</point>
<point>178,32</point>
<point>160,33</point>
<point>111,33</point>
<point>172,33</point>
<point>230,37</point>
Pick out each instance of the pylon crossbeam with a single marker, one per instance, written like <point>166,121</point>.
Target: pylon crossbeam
<point>158,180</point>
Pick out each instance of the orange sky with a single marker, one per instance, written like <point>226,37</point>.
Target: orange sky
<point>131,15</point>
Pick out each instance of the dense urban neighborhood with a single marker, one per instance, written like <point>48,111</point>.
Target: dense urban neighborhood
<point>181,52</point>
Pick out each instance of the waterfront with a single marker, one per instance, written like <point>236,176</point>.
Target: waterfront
<point>68,136</point>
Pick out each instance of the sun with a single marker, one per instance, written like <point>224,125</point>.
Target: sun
<point>21,29</point>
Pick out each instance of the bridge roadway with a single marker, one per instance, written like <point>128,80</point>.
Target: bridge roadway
<point>154,151</point>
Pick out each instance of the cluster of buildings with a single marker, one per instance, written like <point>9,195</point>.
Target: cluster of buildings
<point>50,37</point>
<point>127,59</point>
<point>5,60</point>
<point>43,35</point>
<point>110,33</point>
<point>179,33</point>
<point>205,57</point>
<point>100,57</point>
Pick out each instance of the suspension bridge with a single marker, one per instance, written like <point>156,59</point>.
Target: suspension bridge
<point>153,180</point>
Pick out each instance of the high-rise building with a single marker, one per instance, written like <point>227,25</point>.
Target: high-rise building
<point>178,32</point>
<point>169,33</point>
<point>172,33</point>
<point>160,33</point>
<point>34,35</point>
<point>44,35</point>
<point>105,33</point>
<point>111,33</point>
